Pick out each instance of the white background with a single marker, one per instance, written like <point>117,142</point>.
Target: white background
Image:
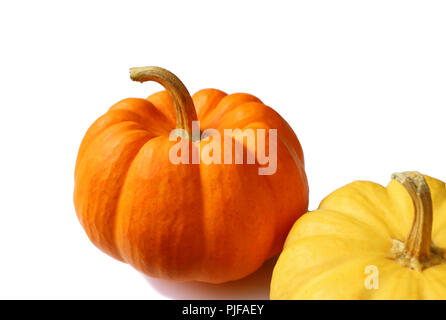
<point>362,83</point>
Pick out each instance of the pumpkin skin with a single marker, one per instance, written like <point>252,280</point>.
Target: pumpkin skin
<point>206,222</point>
<point>327,251</point>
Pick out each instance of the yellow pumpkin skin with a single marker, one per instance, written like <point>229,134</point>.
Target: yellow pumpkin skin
<point>328,250</point>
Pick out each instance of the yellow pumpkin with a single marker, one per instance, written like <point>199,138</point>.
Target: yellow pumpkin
<point>367,241</point>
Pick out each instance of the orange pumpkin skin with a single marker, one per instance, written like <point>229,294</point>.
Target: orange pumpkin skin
<point>206,222</point>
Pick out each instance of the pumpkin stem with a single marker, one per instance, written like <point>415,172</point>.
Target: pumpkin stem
<point>418,242</point>
<point>417,252</point>
<point>184,106</point>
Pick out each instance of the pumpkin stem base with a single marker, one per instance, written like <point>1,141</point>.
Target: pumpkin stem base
<point>400,254</point>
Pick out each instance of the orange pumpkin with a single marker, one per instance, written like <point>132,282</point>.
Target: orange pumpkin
<point>206,222</point>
